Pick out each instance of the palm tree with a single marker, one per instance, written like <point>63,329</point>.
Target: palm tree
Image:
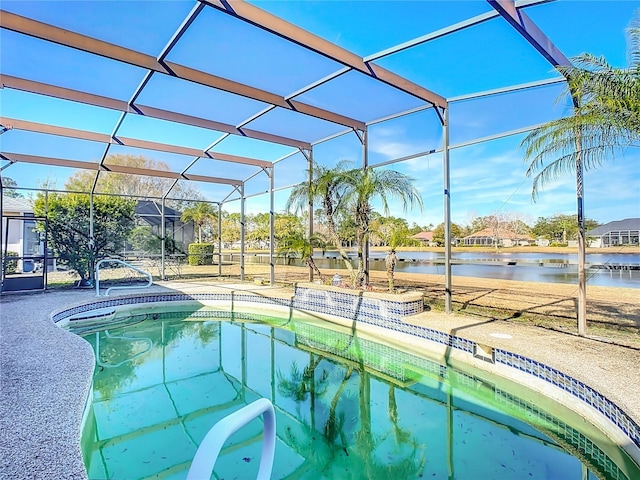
<point>299,385</point>
<point>362,187</point>
<point>352,191</point>
<point>303,247</point>
<point>199,214</point>
<point>327,188</point>
<point>606,116</point>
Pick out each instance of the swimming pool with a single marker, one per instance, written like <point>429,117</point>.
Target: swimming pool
<point>347,405</point>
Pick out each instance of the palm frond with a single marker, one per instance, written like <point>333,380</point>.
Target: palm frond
<point>633,42</point>
<point>606,117</point>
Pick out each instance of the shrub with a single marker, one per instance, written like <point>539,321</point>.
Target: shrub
<point>201,253</point>
<point>11,264</point>
<point>558,244</point>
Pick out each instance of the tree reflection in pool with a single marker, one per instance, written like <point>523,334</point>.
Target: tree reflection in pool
<point>346,407</point>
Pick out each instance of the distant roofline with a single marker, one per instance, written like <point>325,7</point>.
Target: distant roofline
<point>616,225</point>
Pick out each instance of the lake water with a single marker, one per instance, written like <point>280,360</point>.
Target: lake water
<point>612,270</point>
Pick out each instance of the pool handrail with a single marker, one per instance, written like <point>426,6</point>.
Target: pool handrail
<point>208,451</point>
<point>122,262</point>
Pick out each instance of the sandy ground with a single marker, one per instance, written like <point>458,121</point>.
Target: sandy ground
<point>571,250</point>
<point>612,313</point>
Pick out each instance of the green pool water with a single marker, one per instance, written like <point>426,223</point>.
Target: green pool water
<point>347,407</point>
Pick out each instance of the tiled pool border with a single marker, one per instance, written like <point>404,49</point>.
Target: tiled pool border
<point>368,310</point>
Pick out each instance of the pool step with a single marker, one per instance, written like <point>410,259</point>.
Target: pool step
<point>94,324</point>
<point>99,314</point>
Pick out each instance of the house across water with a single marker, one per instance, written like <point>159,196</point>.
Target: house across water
<point>500,237</point>
<point>618,232</point>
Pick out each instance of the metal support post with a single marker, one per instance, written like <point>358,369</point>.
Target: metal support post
<point>164,240</point>
<point>309,156</point>
<point>365,165</point>
<point>242,232</point>
<point>92,240</point>
<point>219,239</point>
<point>272,272</point>
<point>447,213</point>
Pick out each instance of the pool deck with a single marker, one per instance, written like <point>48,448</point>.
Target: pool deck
<point>45,372</point>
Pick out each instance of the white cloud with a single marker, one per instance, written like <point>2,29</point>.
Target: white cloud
<point>393,150</point>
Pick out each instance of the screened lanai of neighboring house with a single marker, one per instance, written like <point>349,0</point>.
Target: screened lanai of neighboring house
<point>236,100</point>
<point>620,232</point>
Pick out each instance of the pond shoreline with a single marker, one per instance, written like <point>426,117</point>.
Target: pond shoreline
<point>626,249</point>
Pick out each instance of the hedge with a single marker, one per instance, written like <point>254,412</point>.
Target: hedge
<point>201,253</point>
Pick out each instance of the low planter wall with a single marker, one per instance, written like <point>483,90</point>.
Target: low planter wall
<point>370,307</point>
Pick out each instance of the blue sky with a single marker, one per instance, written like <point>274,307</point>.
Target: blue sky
<point>485,177</point>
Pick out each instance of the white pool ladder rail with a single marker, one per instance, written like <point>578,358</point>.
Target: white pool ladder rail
<point>124,287</point>
<point>208,451</point>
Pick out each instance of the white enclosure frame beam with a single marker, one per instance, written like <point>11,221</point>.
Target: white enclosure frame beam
<point>127,142</point>
<point>67,38</point>
<point>60,162</point>
<point>62,93</point>
<point>269,22</point>
<point>519,20</point>
<point>456,27</point>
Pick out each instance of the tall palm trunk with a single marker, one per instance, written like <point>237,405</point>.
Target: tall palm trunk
<point>333,234</point>
<point>362,236</point>
<point>311,264</point>
<point>359,277</point>
<point>333,426</point>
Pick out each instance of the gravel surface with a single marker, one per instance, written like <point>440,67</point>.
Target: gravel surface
<point>45,376</point>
